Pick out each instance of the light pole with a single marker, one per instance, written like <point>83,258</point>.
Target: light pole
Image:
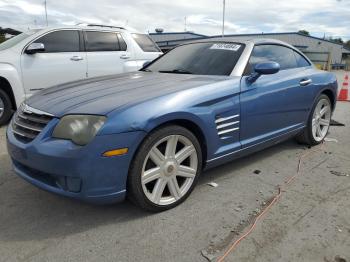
<point>223,19</point>
<point>47,22</point>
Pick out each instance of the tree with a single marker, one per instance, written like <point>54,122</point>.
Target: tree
<point>338,40</point>
<point>304,32</point>
<point>2,35</point>
<point>347,44</point>
<point>2,38</point>
<point>4,31</point>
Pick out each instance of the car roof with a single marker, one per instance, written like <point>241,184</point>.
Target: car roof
<point>254,41</point>
<point>91,27</point>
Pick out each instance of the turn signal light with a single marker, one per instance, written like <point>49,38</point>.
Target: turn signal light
<point>116,152</point>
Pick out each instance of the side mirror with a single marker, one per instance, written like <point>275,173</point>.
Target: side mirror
<point>146,64</point>
<point>267,68</point>
<point>35,48</point>
<point>264,68</point>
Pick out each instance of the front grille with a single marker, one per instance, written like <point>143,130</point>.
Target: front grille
<point>28,122</point>
<point>35,174</point>
<point>225,126</point>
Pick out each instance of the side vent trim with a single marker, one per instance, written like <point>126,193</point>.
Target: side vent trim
<point>223,119</point>
<point>228,131</point>
<point>225,127</point>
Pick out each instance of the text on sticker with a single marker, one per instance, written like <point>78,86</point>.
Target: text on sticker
<point>222,46</point>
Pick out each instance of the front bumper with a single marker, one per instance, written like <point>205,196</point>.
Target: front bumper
<point>61,167</point>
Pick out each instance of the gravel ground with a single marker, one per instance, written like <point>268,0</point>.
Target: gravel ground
<point>309,223</point>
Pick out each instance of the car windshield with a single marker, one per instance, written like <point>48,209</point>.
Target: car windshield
<point>214,58</point>
<point>16,39</point>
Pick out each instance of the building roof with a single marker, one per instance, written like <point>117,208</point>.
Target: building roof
<point>179,33</point>
<point>170,36</point>
<point>283,33</point>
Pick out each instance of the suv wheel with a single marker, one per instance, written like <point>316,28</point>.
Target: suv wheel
<point>5,108</point>
<point>165,169</point>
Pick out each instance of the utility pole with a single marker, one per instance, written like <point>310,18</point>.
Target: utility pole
<point>223,19</point>
<point>47,22</point>
<point>185,23</point>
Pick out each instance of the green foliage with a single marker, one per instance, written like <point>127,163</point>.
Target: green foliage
<point>338,40</point>
<point>304,32</point>
<point>2,38</point>
<point>347,44</point>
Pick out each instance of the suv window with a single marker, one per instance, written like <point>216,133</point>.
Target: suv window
<point>301,61</point>
<point>122,43</point>
<point>60,41</point>
<point>276,53</point>
<point>146,43</point>
<point>101,41</point>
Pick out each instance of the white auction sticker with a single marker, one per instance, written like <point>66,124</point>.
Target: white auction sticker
<point>223,46</point>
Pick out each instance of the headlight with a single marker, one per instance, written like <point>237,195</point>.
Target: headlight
<point>81,129</point>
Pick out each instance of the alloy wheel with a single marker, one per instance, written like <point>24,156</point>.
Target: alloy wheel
<point>169,170</point>
<point>321,119</point>
<point>2,107</point>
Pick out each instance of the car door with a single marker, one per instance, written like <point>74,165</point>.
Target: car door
<point>106,53</point>
<point>62,61</point>
<point>274,104</point>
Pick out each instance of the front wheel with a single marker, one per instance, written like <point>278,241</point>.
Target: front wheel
<point>318,123</point>
<point>5,108</point>
<point>165,169</point>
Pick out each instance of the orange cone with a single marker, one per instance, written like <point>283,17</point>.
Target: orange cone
<point>344,91</point>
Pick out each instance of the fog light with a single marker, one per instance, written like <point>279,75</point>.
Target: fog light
<point>72,184</point>
<point>116,152</point>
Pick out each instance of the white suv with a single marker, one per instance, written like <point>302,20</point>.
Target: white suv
<point>38,59</point>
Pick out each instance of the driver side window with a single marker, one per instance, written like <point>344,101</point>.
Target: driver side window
<point>60,41</point>
<point>275,53</point>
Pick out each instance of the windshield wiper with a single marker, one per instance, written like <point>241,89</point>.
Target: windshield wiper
<point>176,71</point>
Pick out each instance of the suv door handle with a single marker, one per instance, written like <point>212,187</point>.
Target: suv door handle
<point>124,56</point>
<point>305,82</point>
<point>76,58</point>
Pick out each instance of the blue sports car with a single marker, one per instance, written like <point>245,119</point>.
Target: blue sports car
<point>148,135</point>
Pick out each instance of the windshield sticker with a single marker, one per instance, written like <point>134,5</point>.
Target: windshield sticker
<point>231,47</point>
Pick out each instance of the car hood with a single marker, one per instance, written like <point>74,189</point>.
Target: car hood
<point>104,94</point>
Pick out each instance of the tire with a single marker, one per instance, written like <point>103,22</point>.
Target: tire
<point>174,156</point>
<point>5,108</point>
<point>308,135</point>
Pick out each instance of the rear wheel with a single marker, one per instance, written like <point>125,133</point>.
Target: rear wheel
<point>318,123</point>
<point>165,169</point>
<point>5,107</point>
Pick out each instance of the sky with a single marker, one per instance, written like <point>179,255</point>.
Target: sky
<point>319,17</point>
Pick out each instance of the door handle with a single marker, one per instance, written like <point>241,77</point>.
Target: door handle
<point>305,82</point>
<point>124,56</point>
<point>76,58</point>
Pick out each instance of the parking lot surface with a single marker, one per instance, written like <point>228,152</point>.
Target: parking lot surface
<point>310,222</point>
